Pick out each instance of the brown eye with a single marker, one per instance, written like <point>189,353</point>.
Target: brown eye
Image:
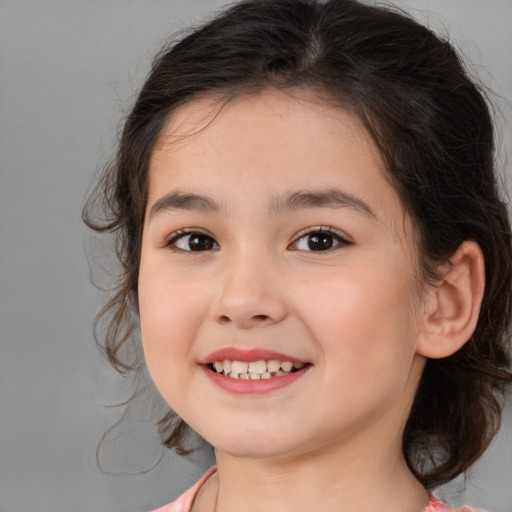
<point>319,241</point>
<point>194,242</point>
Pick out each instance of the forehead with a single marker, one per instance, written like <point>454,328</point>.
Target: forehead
<point>263,110</point>
<point>271,142</point>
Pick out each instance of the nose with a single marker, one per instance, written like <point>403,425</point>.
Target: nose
<point>251,293</point>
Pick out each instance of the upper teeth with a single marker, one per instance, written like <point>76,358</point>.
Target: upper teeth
<point>255,369</point>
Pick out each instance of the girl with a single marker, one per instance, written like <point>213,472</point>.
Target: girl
<point>312,239</point>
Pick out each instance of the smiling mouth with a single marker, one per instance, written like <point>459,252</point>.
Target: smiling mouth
<point>255,370</point>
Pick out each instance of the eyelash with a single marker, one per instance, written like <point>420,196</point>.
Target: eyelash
<point>182,233</point>
<point>336,239</point>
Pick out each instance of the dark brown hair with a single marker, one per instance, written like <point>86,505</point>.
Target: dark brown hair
<point>432,125</point>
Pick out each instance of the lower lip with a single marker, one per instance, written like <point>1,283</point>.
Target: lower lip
<point>251,386</point>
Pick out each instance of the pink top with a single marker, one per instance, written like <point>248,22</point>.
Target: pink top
<point>184,502</point>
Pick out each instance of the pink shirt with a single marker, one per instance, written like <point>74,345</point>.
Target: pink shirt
<point>184,502</point>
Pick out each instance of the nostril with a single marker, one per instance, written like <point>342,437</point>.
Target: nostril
<point>252,320</point>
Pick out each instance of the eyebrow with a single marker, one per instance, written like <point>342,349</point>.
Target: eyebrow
<point>302,199</point>
<point>180,201</point>
<point>330,198</point>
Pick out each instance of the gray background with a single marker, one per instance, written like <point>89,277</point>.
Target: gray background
<point>68,71</point>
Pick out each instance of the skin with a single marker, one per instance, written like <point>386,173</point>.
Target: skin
<point>355,312</point>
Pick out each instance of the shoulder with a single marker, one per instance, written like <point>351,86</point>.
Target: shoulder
<point>185,501</point>
<point>437,505</point>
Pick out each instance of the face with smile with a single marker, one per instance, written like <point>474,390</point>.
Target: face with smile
<point>278,288</point>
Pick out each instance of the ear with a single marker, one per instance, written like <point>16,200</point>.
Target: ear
<point>453,306</point>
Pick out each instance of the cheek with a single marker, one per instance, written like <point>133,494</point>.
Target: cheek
<point>362,319</point>
<point>170,310</point>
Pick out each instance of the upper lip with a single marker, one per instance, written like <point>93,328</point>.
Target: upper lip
<point>247,355</point>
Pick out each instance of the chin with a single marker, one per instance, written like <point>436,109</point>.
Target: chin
<point>256,451</point>
<point>253,446</point>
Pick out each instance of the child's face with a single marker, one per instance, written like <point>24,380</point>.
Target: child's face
<point>274,230</point>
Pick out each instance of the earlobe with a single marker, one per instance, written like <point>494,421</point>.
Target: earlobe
<point>454,305</point>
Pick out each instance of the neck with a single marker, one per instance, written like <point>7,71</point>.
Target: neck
<point>365,481</point>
